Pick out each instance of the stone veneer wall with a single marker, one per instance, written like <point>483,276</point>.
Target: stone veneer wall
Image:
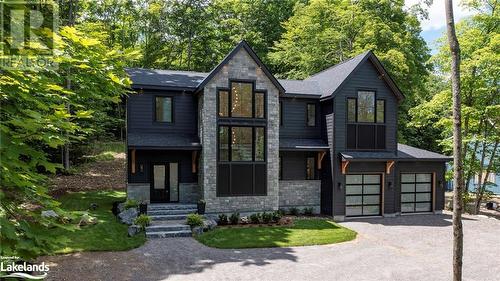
<point>188,192</point>
<point>241,66</point>
<point>300,194</point>
<point>138,191</point>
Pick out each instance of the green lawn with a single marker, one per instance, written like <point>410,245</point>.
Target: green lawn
<point>304,232</point>
<point>107,235</point>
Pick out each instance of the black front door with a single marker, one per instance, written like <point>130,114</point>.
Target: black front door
<point>164,182</point>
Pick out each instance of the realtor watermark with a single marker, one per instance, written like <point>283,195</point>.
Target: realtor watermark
<point>14,268</point>
<point>27,34</point>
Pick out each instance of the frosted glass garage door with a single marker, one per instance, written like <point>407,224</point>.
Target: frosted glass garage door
<point>363,195</point>
<point>416,193</point>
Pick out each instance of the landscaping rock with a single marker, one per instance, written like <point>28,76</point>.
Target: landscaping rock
<point>209,224</point>
<point>93,206</point>
<point>244,220</point>
<point>49,214</point>
<point>87,219</point>
<point>128,216</point>
<point>133,230</point>
<point>121,207</point>
<point>197,230</point>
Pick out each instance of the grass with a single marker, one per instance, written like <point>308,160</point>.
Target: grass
<point>107,235</point>
<point>304,232</point>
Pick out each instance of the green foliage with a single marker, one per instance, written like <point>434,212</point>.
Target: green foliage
<point>194,220</point>
<point>267,217</point>
<point>131,203</point>
<point>308,211</point>
<point>277,216</point>
<point>222,219</point>
<point>293,211</point>
<point>234,218</point>
<point>255,218</point>
<point>143,221</point>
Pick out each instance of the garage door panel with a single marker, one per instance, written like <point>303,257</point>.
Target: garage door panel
<point>407,207</point>
<point>423,177</point>
<point>371,210</point>
<point>423,207</point>
<point>419,197</point>
<point>423,187</point>
<point>371,199</point>
<point>408,187</point>
<point>371,189</point>
<point>353,211</point>
<point>408,197</point>
<point>354,200</point>
<point>368,179</point>
<point>354,189</point>
<point>416,192</point>
<point>363,194</point>
<point>353,179</point>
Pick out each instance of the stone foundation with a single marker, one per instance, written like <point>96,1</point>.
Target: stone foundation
<point>138,191</point>
<point>300,194</point>
<point>188,192</point>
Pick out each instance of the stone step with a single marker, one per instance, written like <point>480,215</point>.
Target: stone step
<point>168,217</point>
<point>167,227</point>
<point>167,234</point>
<point>171,212</point>
<point>167,206</point>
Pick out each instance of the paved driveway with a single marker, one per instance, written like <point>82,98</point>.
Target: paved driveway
<point>402,248</point>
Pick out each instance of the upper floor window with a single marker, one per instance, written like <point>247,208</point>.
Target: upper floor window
<point>163,109</point>
<point>365,108</point>
<point>311,115</point>
<point>241,101</point>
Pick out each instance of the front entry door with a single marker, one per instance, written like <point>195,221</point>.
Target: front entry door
<point>164,183</point>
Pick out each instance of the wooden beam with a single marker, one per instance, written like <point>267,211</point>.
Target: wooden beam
<point>132,161</point>
<point>194,156</point>
<point>388,166</point>
<point>345,163</point>
<point>321,155</point>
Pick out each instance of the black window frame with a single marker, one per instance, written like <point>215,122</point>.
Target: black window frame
<point>415,192</point>
<point>281,113</point>
<point>171,97</point>
<point>314,173</point>
<point>230,99</point>
<point>307,114</point>
<point>362,194</point>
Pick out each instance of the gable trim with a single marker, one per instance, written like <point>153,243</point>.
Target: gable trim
<point>243,44</point>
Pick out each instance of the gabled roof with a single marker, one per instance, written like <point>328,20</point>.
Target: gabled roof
<point>404,153</point>
<point>142,77</point>
<point>332,79</point>
<point>243,44</point>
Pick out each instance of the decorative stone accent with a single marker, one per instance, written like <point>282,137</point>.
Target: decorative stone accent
<point>138,191</point>
<point>128,216</point>
<point>189,193</point>
<point>198,230</point>
<point>133,230</point>
<point>300,194</point>
<point>241,66</point>
<point>209,224</point>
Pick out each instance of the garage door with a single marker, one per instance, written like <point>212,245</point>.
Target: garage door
<point>362,195</point>
<point>416,193</point>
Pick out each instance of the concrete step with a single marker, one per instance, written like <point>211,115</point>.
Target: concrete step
<point>167,234</point>
<point>174,206</point>
<point>168,217</point>
<point>171,212</point>
<point>167,227</point>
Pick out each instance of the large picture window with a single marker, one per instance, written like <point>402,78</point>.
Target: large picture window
<point>365,122</point>
<point>163,109</point>
<point>241,101</point>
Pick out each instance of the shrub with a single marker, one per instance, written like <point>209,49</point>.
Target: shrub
<point>277,216</point>
<point>131,203</point>
<point>234,218</point>
<point>308,211</point>
<point>267,217</point>
<point>282,212</point>
<point>255,218</point>
<point>143,221</point>
<point>194,220</point>
<point>294,211</point>
<point>222,219</point>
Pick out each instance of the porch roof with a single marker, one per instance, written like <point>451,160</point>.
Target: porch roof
<point>162,141</point>
<point>404,153</point>
<point>295,144</point>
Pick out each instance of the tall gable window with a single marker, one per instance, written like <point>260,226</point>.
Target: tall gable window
<point>241,168</point>
<point>311,115</point>
<point>163,109</point>
<point>365,121</point>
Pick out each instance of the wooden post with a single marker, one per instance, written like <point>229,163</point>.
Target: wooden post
<point>132,161</point>
<point>194,155</point>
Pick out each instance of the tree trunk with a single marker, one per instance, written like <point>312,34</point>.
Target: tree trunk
<point>483,180</point>
<point>457,143</point>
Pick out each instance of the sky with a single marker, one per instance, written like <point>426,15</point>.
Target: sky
<point>434,27</point>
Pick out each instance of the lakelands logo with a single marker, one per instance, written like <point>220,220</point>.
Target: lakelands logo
<point>24,270</point>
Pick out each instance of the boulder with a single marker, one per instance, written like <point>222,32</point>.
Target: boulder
<point>128,216</point>
<point>87,219</point>
<point>133,230</point>
<point>49,214</point>
<point>121,207</point>
<point>209,224</point>
<point>93,206</point>
<point>197,230</point>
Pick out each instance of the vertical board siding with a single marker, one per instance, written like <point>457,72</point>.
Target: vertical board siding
<point>294,164</point>
<point>146,157</point>
<point>295,120</point>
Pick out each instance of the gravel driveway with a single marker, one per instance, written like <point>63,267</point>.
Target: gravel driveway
<point>402,248</point>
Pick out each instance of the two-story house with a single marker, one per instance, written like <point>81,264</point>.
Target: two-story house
<point>246,142</point>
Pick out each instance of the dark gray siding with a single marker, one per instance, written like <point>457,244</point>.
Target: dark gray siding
<point>365,78</point>
<point>422,167</point>
<point>294,119</point>
<point>294,164</point>
<point>140,113</point>
<point>147,157</point>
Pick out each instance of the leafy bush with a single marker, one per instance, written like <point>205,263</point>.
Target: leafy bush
<point>282,212</point>
<point>308,211</point>
<point>267,217</point>
<point>194,220</point>
<point>143,221</point>
<point>277,216</point>
<point>234,218</point>
<point>131,203</point>
<point>294,211</point>
<point>222,219</point>
<point>255,218</point>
